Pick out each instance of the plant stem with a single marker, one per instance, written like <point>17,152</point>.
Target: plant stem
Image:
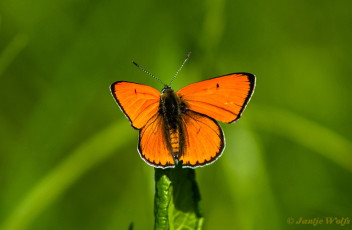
<point>176,199</point>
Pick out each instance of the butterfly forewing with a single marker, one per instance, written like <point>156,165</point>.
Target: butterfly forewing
<point>222,98</point>
<point>138,102</point>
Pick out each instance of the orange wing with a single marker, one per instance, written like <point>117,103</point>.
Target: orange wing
<point>204,139</point>
<point>152,143</point>
<point>138,102</point>
<point>222,98</point>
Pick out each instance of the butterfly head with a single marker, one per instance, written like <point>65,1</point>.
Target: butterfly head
<point>166,88</point>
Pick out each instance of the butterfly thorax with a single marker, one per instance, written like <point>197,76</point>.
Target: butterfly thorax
<point>171,108</point>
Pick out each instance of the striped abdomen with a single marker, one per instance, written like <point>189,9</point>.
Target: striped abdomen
<point>174,141</point>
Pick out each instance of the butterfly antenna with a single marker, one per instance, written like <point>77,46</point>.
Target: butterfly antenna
<point>188,55</point>
<point>148,73</point>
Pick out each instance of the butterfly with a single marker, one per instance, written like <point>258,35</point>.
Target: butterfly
<point>180,127</point>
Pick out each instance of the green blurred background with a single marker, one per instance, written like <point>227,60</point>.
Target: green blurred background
<point>68,155</point>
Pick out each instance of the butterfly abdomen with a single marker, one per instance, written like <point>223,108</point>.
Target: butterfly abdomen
<point>171,109</point>
<point>174,141</point>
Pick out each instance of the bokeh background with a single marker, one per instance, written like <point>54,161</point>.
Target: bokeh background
<point>68,155</point>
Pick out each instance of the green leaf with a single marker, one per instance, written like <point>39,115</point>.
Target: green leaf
<point>176,199</point>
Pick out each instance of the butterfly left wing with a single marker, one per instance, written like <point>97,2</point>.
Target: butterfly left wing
<point>204,139</point>
<point>138,102</point>
<point>222,98</point>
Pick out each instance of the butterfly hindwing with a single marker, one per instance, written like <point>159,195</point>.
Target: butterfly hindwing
<point>138,102</point>
<point>153,145</point>
<point>222,98</point>
<point>204,139</point>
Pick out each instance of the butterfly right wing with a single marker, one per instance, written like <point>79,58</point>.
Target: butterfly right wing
<point>152,145</point>
<point>138,102</point>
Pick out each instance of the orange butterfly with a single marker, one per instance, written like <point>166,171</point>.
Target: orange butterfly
<point>181,127</point>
